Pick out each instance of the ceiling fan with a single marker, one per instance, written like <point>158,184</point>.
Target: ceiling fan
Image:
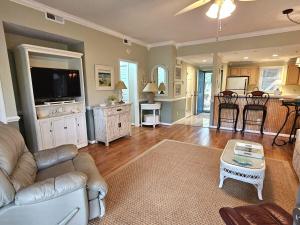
<point>220,9</point>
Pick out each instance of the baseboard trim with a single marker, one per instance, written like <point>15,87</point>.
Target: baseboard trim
<point>92,142</point>
<point>251,131</point>
<point>170,124</point>
<point>11,119</point>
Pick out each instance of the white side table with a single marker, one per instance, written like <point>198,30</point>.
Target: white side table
<point>147,106</point>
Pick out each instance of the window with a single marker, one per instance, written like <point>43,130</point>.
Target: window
<point>270,78</point>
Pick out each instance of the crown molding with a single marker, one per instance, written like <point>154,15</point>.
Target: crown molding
<point>44,8</point>
<point>239,36</point>
<point>159,44</point>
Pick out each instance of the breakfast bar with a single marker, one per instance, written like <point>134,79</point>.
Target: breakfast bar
<point>276,115</point>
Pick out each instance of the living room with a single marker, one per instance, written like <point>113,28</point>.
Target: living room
<point>100,104</point>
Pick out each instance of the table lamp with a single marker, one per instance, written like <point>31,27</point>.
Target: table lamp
<point>162,88</point>
<point>150,89</point>
<point>120,86</point>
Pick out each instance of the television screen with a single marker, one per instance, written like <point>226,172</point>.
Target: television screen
<point>54,84</point>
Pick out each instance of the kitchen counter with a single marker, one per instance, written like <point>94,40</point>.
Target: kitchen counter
<point>275,115</point>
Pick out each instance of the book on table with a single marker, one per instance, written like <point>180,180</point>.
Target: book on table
<point>249,150</point>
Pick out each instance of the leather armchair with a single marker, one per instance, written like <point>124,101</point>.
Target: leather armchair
<point>54,186</point>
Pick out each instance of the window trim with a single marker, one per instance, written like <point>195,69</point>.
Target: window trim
<point>261,69</point>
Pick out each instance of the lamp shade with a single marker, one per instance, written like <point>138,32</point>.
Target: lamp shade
<point>150,87</point>
<point>162,87</point>
<point>120,85</point>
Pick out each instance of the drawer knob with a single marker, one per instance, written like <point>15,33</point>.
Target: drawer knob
<point>119,110</point>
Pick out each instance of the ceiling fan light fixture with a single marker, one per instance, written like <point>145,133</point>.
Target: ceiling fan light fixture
<point>227,8</point>
<point>213,11</point>
<point>221,10</point>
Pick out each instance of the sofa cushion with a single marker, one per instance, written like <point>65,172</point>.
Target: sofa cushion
<point>24,172</point>
<point>55,171</point>
<point>12,146</point>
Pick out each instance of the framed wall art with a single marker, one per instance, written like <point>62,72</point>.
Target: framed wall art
<point>178,73</point>
<point>104,77</point>
<point>177,89</point>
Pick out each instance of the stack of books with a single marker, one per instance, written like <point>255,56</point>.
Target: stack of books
<point>249,150</point>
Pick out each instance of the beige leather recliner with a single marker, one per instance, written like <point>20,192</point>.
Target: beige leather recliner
<point>55,186</point>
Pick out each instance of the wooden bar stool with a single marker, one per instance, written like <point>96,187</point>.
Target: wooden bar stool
<point>227,100</point>
<point>256,101</point>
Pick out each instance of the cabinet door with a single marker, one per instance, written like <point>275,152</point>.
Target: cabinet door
<point>81,130</point>
<point>46,134</point>
<point>113,130</point>
<point>59,131</point>
<point>244,71</point>
<point>235,71</point>
<point>253,74</point>
<point>292,74</point>
<point>124,124</point>
<point>70,129</point>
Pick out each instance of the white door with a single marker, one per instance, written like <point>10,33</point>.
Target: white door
<point>81,129</point>
<point>46,134</point>
<point>71,134</point>
<point>59,131</point>
<point>189,95</point>
<point>128,74</point>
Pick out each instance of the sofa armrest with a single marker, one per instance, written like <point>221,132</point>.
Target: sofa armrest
<point>51,188</point>
<point>231,217</point>
<point>50,157</point>
<point>84,163</point>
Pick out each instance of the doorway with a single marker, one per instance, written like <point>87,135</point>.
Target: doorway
<point>203,91</point>
<point>128,74</point>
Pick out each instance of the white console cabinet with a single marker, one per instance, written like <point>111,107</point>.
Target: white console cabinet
<point>54,123</point>
<point>112,122</point>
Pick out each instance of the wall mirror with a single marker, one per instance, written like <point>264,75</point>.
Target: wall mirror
<point>159,75</point>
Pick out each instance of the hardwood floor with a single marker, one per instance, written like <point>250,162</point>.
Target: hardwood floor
<point>123,150</point>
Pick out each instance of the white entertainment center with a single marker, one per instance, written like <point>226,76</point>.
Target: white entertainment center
<point>53,123</point>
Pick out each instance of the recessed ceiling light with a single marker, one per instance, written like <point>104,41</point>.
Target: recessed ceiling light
<point>275,55</point>
<point>204,60</point>
<point>246,57</point>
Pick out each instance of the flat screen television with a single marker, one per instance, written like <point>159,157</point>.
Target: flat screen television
<point>55,84</point>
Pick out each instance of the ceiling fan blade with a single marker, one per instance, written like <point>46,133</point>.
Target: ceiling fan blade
<point>192,6</point>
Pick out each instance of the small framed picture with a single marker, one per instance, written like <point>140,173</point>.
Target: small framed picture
<point>177,89</point>
<point>104,77</point>
<point>178,73</point>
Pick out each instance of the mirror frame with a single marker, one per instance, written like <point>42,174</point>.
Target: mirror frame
<point>167,79</point>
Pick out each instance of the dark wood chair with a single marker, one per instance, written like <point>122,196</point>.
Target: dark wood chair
<point>256,101</point>
<point>227,100</point>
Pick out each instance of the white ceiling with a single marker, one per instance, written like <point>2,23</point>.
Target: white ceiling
<point>285,53</point>
<point>153,21</point>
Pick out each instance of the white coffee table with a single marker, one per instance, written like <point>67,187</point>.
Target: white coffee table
<point>252,174</point>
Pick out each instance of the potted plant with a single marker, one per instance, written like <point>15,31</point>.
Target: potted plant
<point>112,99</point>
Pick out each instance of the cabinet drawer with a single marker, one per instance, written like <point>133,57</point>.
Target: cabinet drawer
<point>116,110</point>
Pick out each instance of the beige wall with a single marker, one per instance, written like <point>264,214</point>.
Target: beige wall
<point>165,55</point>
<point>99,48</point>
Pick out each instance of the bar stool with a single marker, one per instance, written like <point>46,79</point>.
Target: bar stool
<point>256,101</point>
<point>227,100</point>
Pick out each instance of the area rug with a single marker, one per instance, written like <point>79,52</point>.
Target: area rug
<point>177,183</point>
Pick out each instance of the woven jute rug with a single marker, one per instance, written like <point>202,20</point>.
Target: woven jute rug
<point>177,183</point>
